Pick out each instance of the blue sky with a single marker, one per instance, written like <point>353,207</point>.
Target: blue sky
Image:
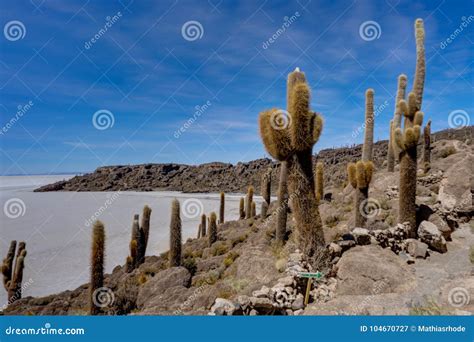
<point>151,79</point>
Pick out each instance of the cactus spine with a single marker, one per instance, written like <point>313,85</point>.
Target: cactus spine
<point>292,140</point>
<point>396,122</point>
<point>212,229</point>
<point>266,186</point>
<point>242,208</point>
<point>282,211</point>
<point>369,126</point>
<point>97,266</point>
<point>427,147</point>
<point>319,181</point>
<point>175,235</point>
<point>406,140</point>
<point>13,271</point>
<point>248,203</point>
<point>360,175</point>
<point>222,208</point>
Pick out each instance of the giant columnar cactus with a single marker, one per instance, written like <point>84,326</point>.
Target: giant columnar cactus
<point>291,139</point>
<point>135,240</point>
<point>139,239</point>
<point>369,126</point>
<point>396,121</point>
<point>263,210</point>
<point>406,139</point>
<point>427,147</point>
<point>360,175</point>
<point>319,181</point>
<point>212,229</point>
<point>97,266</point>
<point>242,208</point>
<point>203,225</point>
<point>254,209</point>
<point>13,271</point>
<point>222,208</point>
<point>175,235</point>
<point>282,210</point>
<point>248,202</point>
<point>266,186</point>
<point>144,233</point>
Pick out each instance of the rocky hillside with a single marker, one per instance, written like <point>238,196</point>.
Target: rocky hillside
<point>246,273</point>
<point>216,177</point>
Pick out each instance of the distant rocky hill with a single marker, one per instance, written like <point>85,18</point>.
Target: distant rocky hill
<point>215,177</point>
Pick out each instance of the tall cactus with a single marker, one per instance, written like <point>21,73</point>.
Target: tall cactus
<point>144,233</point>
<point>97,266</point>
<point>13,271</point>
<point>396,121</point>
<point>242,208</point>
<point>221,208</point>
<point>367,152</point>
<point>263,210</point>
<point>248,203</point>
<point>212,229</point>
<point>427,147</point>
<point>139,239</point>
<point>175,235</point>
<point>319,181</point>
<point>360,175</point>
<point>406,140</point>
<point>282,210</point>
<point>254,209</point>
<point>266,186</point>
<point>291,139</point>
<point>203,225</point>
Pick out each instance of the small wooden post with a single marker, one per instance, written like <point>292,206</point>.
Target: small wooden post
<point>308,289</point>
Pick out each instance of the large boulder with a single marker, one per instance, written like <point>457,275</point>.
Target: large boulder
<point>455,189</point>
<point>416,249</point>
<point>432,236</point>
<point>371,269</point>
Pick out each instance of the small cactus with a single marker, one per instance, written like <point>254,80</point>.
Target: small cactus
<point>248,203</point>
<point>221,208</point>
<point>427,147</point>
<point>292,140</point>
<point>13,271</point>
<point>263,210</point>
<point>175,235</point>
<point>199,231</point>
<point>369,126</point>
<point>212,228</point>
<point>266,186</point>
<point>319,181</point>
<point>203,225</point>
<point>360,175</point>
<point>144,233</point>
<point>97,265</point>
<point>242,208</point>
<point>254,209</point>
<point>282,210</point>
<point>406,139</point>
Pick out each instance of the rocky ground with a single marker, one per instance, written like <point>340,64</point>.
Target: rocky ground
<point>378,270</point>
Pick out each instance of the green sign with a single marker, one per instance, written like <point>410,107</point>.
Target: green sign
<point>316,275</point>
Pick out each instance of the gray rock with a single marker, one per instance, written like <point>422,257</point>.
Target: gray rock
<point>346,244</point>
<point>335,250</point>
<point>431,235</point>
<point>416,249</point>
<point>287,281</point>
<point>262,293</point>
<point>298,303</point>
<point>455,189</point>
<point>224,307</point>
<point>361,236</point>
<point>442,226</point>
